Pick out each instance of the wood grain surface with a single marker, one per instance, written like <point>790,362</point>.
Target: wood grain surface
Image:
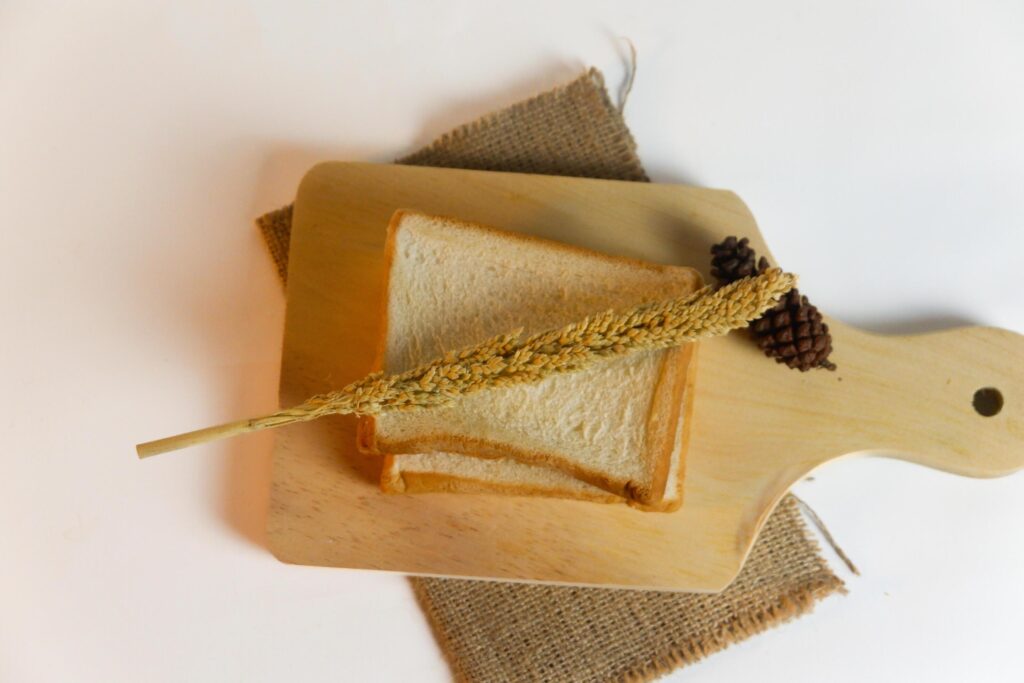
<point>757,426</point>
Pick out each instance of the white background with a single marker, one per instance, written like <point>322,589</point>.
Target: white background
<point>880,145</point>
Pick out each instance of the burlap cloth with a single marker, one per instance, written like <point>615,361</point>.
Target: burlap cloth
<point>492,631</point>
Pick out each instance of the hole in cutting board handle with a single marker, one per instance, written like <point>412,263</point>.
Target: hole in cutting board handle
<point>988,401</point>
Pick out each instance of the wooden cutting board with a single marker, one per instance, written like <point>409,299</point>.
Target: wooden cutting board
<point>757,426</point>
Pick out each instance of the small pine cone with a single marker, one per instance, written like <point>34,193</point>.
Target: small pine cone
<point>734,260</point>
<point>792,332</point>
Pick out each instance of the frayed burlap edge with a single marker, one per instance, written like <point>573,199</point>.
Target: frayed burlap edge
<point>276,227</point>
<point>793,603</point>
<point>435,622</point>
<point>588,90</point>
<point>789,606</point>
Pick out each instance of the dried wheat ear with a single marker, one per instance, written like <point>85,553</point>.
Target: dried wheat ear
<point>508,359</point>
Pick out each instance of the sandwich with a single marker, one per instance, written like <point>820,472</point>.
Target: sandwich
<point>615,432</point>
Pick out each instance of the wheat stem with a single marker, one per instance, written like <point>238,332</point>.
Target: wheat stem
<point>507,359</point>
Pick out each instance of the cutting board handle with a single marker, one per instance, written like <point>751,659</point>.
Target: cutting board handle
<point>951,400</point>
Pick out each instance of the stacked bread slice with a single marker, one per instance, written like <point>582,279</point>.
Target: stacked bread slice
<point>615,432</point>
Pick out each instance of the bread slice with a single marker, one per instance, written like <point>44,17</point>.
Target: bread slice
<point>457,473</point>
<point>614,426</point>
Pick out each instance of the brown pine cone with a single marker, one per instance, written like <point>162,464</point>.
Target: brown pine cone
<point>792,332</point>
<point>734,260</point>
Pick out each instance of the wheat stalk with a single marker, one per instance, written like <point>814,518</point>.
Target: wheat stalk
<point>508,359</point>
